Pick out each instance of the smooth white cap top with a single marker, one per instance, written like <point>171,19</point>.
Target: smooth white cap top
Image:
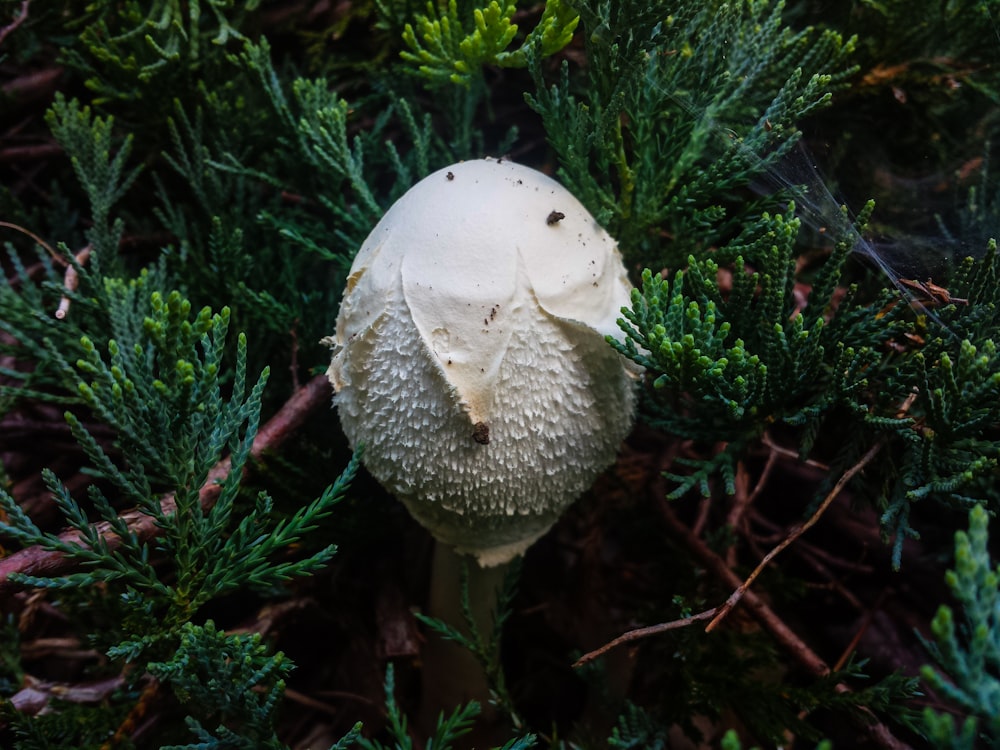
<point>481,224</point>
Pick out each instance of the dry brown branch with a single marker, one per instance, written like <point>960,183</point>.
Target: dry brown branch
<point>866,622</point>
<point>761,612</point>
<point>14,154</point>
<point>798,531</point>
<point>327,708</point>
<point>41,562</point>
<point>704,509</point>
<point>757,607</point>
<point>785,637</point>
<point>35,695</point>
<point>36,86</point>
<point>815,553</point>
<point>743,496</point>
<point>18,20</point>
<point>65,647</point>
<point>743,500</point>
<point>42,243</point>
<point>787,453</point>
<point>139,710</point>
<point>740,502</point>
<point>640,633</point>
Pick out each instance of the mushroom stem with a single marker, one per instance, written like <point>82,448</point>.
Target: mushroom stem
<point>452,674</point>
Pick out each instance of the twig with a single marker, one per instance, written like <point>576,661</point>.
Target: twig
<point>741,590</point>
<point>37,561</point>
<point>757,607</point>
<point>705,508</point>
<point>818,554</point>
<point>29,153</point>
<point>35,695</point>
<point>766,440</point>
<point>784,635</point>
<point>18,20</point>
<point>15,434</point>
<point>139,709</point>
<point>639,633</point>
<point>715,564</point>
<point>48,248</point>
<point>742,499</point>
<point>738,510</point>
<point>866,622</point>
<point>315,703</point>
<point>71,280</point>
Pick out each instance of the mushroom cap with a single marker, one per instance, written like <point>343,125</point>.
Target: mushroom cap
<point>470,357</point>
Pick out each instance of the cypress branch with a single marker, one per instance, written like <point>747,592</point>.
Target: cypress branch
<point>42,563</point>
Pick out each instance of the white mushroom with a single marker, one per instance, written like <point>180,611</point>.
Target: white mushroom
<point>470,357</point>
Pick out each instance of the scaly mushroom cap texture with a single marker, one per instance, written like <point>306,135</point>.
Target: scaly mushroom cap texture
<point>470,357</point>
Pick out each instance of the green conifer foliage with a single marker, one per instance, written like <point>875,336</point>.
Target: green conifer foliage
<point>670,121</point>
<point>174,171</point>
<point>966,644</point>
<point>448,730</point>
<point>176,410</point>
<point>231,680</point>
<point>160,386</point>
<point>729,366</point>
<point>141,50</point>
<point>444,52</point>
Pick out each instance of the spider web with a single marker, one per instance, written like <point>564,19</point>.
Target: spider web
<point>909,262</point>
<point>905,260</point>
